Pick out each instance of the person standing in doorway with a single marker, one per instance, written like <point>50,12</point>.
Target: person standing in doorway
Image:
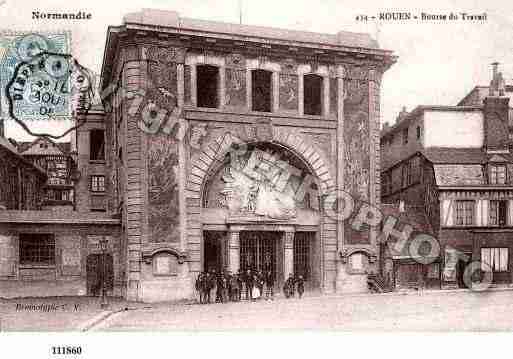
<point>249,284</point>
<point>300,282</point>
<point>269,285</point>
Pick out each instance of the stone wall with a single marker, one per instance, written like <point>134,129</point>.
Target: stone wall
<point>68,275</point>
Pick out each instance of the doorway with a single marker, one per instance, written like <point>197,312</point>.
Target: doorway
<point>94,273</point>
<point>258,250</point>
<point>213,249</point>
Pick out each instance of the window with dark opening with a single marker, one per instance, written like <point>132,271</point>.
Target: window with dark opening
<point>261,88</point>
<point>312,85</point>
<point>498,213</point>
<point>207,78</point>
<point>37,248</point>
<point>97,143</point>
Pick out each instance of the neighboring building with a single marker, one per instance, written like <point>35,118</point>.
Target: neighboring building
<point>456,163</point>
<point>48,247</point>
<point>55,159</point>
<point>21,182</point>
<point>307,99</point>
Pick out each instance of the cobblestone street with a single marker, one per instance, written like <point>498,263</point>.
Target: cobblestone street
<point>434,311</point>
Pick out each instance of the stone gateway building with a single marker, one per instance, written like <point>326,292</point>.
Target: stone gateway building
<point>226,140</point>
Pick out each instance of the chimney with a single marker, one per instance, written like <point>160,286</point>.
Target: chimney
<point>402,115</point>
<point>497,84</point>
<point>496,113</point>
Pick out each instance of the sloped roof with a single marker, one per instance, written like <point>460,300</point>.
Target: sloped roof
<point>459,175</point>
<point>27,148</point>
<point>5,144</point>
<point>455,155</point>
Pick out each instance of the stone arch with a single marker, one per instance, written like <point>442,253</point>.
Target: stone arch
<point>213,154</point>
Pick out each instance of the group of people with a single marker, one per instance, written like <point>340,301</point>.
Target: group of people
<point>222,287</point>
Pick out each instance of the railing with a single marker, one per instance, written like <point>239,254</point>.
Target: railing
<point>378,284</point>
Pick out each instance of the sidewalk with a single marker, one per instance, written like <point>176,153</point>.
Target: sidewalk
<point>85,313</point>
<point>56,313</point>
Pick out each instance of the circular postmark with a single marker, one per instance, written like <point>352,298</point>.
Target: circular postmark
<point>47,85</point>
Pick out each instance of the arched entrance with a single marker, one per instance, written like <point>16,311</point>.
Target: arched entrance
<point>261,210</point>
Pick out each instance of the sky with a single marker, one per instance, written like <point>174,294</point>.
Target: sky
<point>438,62</point>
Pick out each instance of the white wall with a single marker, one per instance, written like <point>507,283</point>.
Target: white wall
<point>453,129</point>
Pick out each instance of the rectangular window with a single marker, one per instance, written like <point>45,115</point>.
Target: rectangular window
<point>36,248</point>
<point>405,136</point>
<point>312,87</point>
<point>387,183</point>
<point>465,213</point>
<point>261,89</point>
<point>494,259</point>
<point>419,133</point>
<point>406,174</point>
<point>97,145</point>
<point>498,213</point>
<point>207,79</point>
<point>497,174</point>
<point>98,183</point>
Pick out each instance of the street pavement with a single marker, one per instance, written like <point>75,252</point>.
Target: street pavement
<point>54,313</point>
<point>417,311</point>
<point>432,311</point>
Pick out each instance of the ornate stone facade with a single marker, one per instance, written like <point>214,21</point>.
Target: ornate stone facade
<point>241,181</point>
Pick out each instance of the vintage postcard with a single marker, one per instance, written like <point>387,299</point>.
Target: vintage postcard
<point>235,165</point>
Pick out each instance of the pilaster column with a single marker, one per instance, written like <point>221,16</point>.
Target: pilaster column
<point>341,74</point>
<point>194,90</point>
<point>276,92</point>
<point>301,94</point>
<point>233,251</point>
<point>222,86</point>
<point>249,90</point>
<point>326,96</point>
<point>288,254</point>
<point>182,156</point>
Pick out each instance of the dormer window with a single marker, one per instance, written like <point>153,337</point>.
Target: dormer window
<point>497,174</point>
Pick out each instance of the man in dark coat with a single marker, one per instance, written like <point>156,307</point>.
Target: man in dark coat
<point>219,287</point>
<point>289,287</point>
<point>269,285</point>
<point>300,282</point>
<point>211,283</point>
<point>248,279</point>
<point>239,282</point>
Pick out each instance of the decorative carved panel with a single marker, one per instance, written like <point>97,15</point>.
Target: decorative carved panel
<point>235,87</point>
<point>288,92</point>
<point>357,148</point>
<point>163,199</point>
<point>258,184</point>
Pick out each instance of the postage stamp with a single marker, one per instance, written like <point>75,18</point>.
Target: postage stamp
<point>16,48</point>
